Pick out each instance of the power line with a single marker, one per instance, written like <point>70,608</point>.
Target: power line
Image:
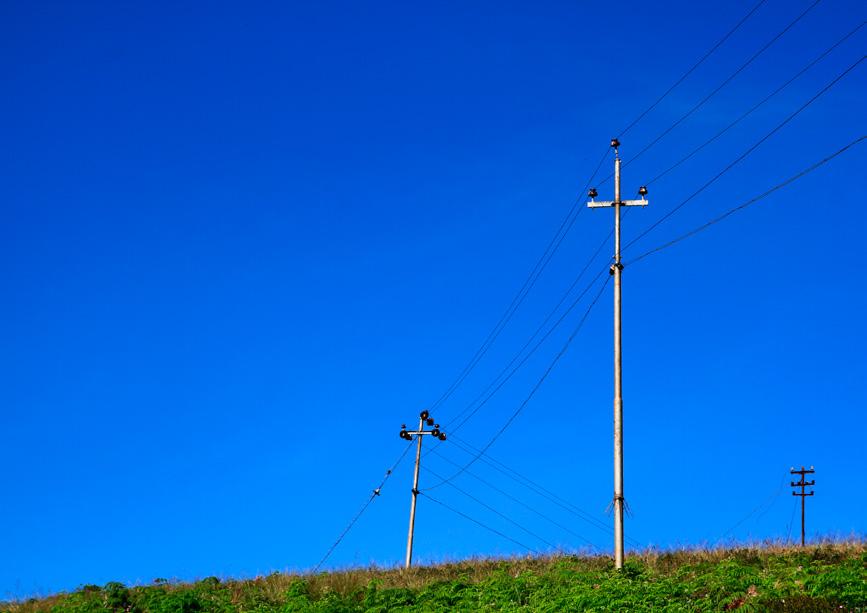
<point>690,71</point>
<point>520,502</point>
<point>376,492</point>
<point>791,520</point>
<point>751,201</point>
<point>534,335</point>
<point>756,106</point>
<point>528,355</point>
<point>496,512</point>
<point>666,245</point>
<point>765,504</point>
<point>723,84</point>
<point>567,223</point>
<point>824,54</point>
<point>569,220</point>
<point>500,375</point>
<point>744,154</point>
<point>536,488</point>
<point>532,486</point>
<point>696,107</point>
<point>406,450</point>
<point>533,391</point>
<point>529,283</point>
<point>478,523</point>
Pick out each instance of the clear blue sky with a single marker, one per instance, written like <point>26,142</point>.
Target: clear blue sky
<point>242,243</point>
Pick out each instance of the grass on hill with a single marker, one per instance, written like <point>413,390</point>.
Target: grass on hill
<point>825,577</point>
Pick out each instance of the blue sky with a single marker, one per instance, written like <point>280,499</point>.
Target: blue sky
<point>242,243</point>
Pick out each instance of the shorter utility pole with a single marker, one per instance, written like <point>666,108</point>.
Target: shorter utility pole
<point>424,418</point>
<point>802,484</point>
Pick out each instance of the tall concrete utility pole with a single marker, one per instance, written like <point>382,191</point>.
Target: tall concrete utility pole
<point>616,270</point>
<point>802,484</point>
<point>424,418</point>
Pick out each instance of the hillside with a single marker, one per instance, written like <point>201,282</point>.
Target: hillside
<point>826,577</point>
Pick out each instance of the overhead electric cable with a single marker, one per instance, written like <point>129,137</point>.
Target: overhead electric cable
<point>720,86</point>
<point>517,500</point>
<point>526,357</point>
<point>547,255</point>
<point>376,492</point>
<point>500,381</point>
<point>571,216</point>
<point>564,229</point>
<point>529,283</point>
<point>533,337</point>
<point>757,105</point>
<point>533,391</point>
<point>791,519</point>
<point>690,71</point>
<point>496,512</point>
<point>749,202</point>
<point>767,502</point>
<point>536,488</point>
<point>478,523</point>
<point>741,157</point>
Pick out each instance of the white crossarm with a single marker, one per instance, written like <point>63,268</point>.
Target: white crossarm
<point>598,204</point>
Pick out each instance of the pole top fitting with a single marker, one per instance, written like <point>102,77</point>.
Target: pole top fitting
<point>615,143</point>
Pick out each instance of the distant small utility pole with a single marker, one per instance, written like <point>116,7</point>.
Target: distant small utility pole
<point>616,270</point>
<point>424,418</point>
<point>802,484</point>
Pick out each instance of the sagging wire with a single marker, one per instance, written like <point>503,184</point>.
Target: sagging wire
<point>374,494</point>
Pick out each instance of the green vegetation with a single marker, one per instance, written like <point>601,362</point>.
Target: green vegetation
<point>827,577</point>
